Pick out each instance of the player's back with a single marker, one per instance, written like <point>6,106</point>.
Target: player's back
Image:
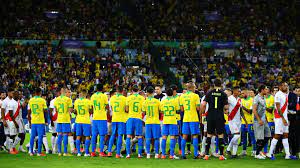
<point>37,106</point>
<point>62,105</point>
<point>118,103</point>
<point>169,107</point>
<point>152,106</point>
<point>135,102</point>
<point>189,101</point>
<point>82,106</point>
<point>99,101</point>
<point>216,100</point>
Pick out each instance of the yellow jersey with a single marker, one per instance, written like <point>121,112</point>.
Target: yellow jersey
<point>83,106</point>
<point>151,107</point>
<point>37,105</point>
<point>247,103</point>
<point>62,105</point>
<point>178,117</point>
<point>226,118</point>
<point>190,101</point>
<point>169,108</point>
<point>118,103</point>
<point>270,104</point>
<point>135,103</point>
<point>99,101</point>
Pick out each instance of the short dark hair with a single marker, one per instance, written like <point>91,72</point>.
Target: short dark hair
<point>38,90</point>
<point>120,88</point>
<point>170,92</point>
<point>99,87</point>
<point>218,83</point>
<point>10,89</point>
<point>135,88</point>
<point>261,87</point>
<point>236,88</point>
<point>150,89</point>
<point>174,87</point>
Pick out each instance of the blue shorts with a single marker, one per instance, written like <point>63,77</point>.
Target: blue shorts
<point>83,129</point>
<point>118,128</point>
<point>250,128</point>
<point>63,128</point>
<point>227,129</point>
<point>37,129</point>
<point>170,129</point>
<point>153,131</point>
<point>191,128</point>
<point>243,128</point>
<point>272,127</point>
<point>74,128</point>
<point>134,124</point>
<point>99,127</point>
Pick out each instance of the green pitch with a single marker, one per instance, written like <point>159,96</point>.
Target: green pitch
<point>23,160</point>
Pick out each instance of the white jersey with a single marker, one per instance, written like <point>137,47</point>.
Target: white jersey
<point>232,102</point>
<point>204,121</point>
<point>281,98</point>
<point>52,106</point>
<point>6,105</point>
<point>14,106</point>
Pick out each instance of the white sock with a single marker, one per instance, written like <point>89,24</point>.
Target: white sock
<point>273,146</point>
<point>53,142</point>
<point>203,145</point>
<point>229,146</point>
<point>7,143</point>
<point>45,142</point>
<point>71,142</point>
<point>213,144</point>
<point>16,142</point>
<point>286,146</point>
<point>235,144</point>
<point>28,145</point>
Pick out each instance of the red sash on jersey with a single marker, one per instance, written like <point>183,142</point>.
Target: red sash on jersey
<point>7,117</point>
<point>283,108</point>
<point>205,114</point>
<point>54,117</point>
<point>18,111</point>
<point>234,110</point>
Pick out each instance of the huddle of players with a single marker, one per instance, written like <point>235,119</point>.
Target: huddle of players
<point>127,114</point>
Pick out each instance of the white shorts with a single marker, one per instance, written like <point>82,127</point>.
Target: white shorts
<point>21,125</point>
<point>234,127</point>
<point>10,129</point>
<point>280,128</point>
<point>54,127</point>
<point>205,127</point>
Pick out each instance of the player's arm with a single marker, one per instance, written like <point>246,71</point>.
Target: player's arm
<point>246,110</point>
<point>270,109</point>
<point>127,105</point>
<point>280,113</point>
<point>3,116</point>
<point>29,115</point>
<point>181,101</point>
<point>45,112</point>
<point>255,112</point>
<point>11,114</point>
<point>243,116</point>
<point>226,104</point>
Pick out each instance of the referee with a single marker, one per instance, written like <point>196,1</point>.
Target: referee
<point>217,101</point>
<point>261,127</point>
